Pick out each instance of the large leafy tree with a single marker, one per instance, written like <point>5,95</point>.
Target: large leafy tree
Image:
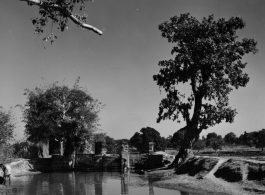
<point>208,56</point>
<point>62,113</point>
<point>58,13</point>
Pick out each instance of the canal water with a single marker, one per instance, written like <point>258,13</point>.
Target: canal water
<point>84,183</point>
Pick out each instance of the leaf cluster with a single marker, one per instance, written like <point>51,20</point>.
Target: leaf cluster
<point>141,140</point>
<point>7,126</point>
<point>56,12</point>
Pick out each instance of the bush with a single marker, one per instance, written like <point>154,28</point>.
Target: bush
<point>25,149</point>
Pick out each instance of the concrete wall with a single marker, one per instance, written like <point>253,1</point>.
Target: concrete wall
<point>154,161</point>
<point>61,163</point>
<point>86,162</point>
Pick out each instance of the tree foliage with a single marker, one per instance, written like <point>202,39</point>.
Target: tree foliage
<point>199,145</point>
<point>148,134</point>
<point>59,12</point>
<point>113,146</point>
<point>255,138</point>
<point>178,137</point>
<point>212,135</point>
<point>230,138</point>
<point>261,139</point>
<point>62,113</point>
<point>213,140</point>
<point>110,145</point>
<point>216,144</point>
<point>7,126</point>
<point>207,56</point>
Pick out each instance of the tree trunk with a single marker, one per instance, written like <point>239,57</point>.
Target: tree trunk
<point>185,152</point>
<point>183,155</point>
<point>191,133</point>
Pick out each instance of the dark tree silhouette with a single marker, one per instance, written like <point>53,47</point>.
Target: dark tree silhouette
<point>148,134</point>
<point>209,57</point>
<point>230,138</point>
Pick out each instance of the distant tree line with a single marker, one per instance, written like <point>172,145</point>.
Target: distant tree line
<point>140,140</point>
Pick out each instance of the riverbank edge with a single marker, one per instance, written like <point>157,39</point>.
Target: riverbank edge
<point>197,176</point>
<point>202,182</point>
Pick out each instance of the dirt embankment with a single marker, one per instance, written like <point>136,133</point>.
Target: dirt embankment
<point>216,175</point>
<point>27,167</point>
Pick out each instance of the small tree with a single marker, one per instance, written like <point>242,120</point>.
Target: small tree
<point>59,12</point>
<point>210,137</point>
<point>199,145</point>
<point>261,139</point>
<point>216,144</point>
<point>230,138</point>
<point>209,57</point>
<point>111,145</point>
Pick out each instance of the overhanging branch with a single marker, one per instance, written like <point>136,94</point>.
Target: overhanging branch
<point>65,12</point>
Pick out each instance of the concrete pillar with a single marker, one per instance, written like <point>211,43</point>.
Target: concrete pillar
<point>100,148</point>
<point>151,147</point>
<point>125,155</point>
<point>61,148</point>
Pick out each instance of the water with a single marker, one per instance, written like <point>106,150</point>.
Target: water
<point>84,183</point>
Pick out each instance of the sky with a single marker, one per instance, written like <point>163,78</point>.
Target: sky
<point>117,68</point>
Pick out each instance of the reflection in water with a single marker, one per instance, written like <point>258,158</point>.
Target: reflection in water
<point>85,183</point>
<point>151,187</point>
<point>125,183</point>
<point>98,183</point>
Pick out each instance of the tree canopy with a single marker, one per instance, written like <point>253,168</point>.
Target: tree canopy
<point>178,137</point>
<point>59,112</point>
<point>230,138</point>
<point>113,146</point>
<point>148,134</point>
<point>255,138</point>
<point>207,56</point>
<point>58,12</point>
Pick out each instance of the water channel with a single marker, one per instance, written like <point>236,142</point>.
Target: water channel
<point>84,183</point>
